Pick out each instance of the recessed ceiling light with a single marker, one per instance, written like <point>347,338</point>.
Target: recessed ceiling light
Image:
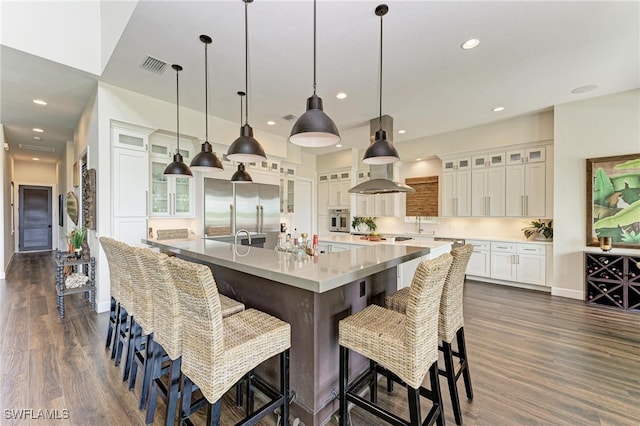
<point>271,123</point>
<point>39,102</point>
<point>38,138</point>
<point>418,159</point>
<point>339,145</point>
<point>37,129</point>
<point>470,44</point>
<point>498,109</point>
<point>341,95</point>
<point>583,89</point>
<point>402,132</point>
<point>35,159</point>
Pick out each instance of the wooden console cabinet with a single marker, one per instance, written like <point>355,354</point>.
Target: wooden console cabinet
<point>612,281</point>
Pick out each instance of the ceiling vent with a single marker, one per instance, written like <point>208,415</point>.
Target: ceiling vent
<point>289,117</point>
<point>152,64</point>
<point>37,148</point>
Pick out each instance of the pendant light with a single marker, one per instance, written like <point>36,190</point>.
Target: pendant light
<point>241,175</point>
<point>314,128</point>
<point>381,151</point>
<point>246,148</point>
<point>177,166</point>
<point>206,159</point>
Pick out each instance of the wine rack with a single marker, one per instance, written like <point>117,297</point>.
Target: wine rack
<point>612,281</point>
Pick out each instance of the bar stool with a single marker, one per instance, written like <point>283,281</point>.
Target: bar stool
<point>450,325</point>
<point>166,342</point>
<point>139,262</point>
<point>113,290</point>
<point>122,294</point>
<point>404,346</point>
<point>217,352</point>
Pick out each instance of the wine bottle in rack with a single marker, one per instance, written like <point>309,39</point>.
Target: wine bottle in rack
<point>603,260</point>
<point>602,287</point>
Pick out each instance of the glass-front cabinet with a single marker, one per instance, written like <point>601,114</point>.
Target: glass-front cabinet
<point>170,196</point>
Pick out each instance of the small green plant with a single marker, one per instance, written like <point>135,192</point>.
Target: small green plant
<point>357,220</point>
<point>539,227</point>
<point>76,237</point>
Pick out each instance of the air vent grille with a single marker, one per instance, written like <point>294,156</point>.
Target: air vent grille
<point>152,64</point>
<point>37,148</point>
<point>289,117</point>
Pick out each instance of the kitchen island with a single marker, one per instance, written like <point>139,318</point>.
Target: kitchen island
<point>312,293</point>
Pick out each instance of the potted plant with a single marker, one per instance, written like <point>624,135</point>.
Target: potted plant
<point>76,238</point>
<point>362,224</point>
<point>538,229</point>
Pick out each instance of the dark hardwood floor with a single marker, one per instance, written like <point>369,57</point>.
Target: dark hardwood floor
<point>534,360</point>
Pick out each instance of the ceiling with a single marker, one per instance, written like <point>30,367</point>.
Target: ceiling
<point>530,58</point>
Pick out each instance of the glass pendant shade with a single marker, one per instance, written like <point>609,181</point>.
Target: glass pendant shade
<point>314,128</point>
<point>206,160</point>
<point>381,151</point>
<point>241,175</point>
<point>246,149</point>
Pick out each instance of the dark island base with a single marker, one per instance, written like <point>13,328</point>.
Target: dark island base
<point>314,321</point>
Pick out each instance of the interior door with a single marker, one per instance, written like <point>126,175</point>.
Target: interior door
<point>34,218</point>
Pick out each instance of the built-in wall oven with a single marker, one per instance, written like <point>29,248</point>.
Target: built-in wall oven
<point>339,220</point>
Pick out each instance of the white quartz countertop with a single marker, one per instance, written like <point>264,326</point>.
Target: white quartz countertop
<point>315,273</point>
<point>358,241</point>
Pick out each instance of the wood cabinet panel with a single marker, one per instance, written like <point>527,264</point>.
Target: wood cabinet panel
<point>423,202</point>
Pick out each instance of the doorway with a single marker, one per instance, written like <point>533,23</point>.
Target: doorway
<point>34,218</point>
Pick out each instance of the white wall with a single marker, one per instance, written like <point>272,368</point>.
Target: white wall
<point>114,16</point>
<point>34,173</point>
<point>6,249</point>
<point>67,32</point>
<point>597,127</point>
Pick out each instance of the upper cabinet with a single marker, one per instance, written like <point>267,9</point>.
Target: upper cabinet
<point>287,189</point>
<point>497,184</point>
<point>170,196</point>
<point>339,184</point>
<point>129,139</point>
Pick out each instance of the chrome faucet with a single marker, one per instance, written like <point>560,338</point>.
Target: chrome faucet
<point>235,241</point>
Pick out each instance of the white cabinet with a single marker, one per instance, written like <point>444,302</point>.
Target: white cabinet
<point>287,190</point>
<point>456,164</point>
<point>480,261</point>
<point>488,191</point>
<point>170,196</point>
<point>521,262</point>
<point>456,193</point>
<point>488,160</point>
<point>339,184</point>
<point>406,271</point>
<point>526,155</point>
<point>526,190</point>
<point>130,185</point>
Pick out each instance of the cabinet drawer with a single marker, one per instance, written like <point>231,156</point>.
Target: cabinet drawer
<point>503,247</point>
<point>479,245</point>
<point>531,249</point>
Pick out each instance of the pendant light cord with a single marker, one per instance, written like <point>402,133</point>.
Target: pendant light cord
<point>380,114</point>
<point>177,113</point>
<point>246,61</point>
<point>314,47</point>
<point>206,94</point>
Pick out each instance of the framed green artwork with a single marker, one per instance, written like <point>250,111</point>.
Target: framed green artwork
<point>613,200</point>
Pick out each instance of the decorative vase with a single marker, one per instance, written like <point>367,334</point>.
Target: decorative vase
<point>78,253</point>
<point>363,227</point>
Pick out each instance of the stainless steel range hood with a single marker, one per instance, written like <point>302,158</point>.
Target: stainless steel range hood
<point>381,181</point>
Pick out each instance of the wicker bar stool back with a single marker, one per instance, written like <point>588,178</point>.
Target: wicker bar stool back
<point>217,352</point>
<point>119,274</point>
<point>114,290</point>
<point>404,346</point>
<point>450,325</point>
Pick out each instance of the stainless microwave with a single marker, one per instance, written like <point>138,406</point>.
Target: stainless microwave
<point>339,220</point>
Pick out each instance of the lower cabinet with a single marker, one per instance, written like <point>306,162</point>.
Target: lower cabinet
<point>525,263</point>
<point>612,281</point>
<point>480,260</point>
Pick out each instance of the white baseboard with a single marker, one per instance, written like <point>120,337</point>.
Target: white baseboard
<point>510,283</point>
<point>103,307</point>
<point>564,292</point>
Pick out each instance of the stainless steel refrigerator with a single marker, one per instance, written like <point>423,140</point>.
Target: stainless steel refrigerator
<point>230,207</point>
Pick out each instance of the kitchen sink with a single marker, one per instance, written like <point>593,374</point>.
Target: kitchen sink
<point>403,238</point>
